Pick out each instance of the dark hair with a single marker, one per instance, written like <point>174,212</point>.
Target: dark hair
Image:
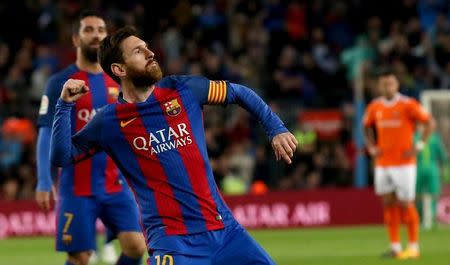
<point>385,71</point>
<point>111,52</point>
<point>85,13</point>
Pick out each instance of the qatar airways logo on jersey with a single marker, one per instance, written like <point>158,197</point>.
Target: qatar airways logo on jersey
<point>86,115</point>
<point>164,140</point>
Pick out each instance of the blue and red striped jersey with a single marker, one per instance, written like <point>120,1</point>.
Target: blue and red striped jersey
<point>99,174</point>
<point>160,147</point>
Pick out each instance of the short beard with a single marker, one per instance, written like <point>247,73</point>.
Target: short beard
<point>146,78</point>
<point>90,54</point>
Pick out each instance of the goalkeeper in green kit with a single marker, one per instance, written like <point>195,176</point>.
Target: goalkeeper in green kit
<point>430,161</point>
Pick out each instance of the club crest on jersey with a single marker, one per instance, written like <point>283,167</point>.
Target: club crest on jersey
<point>173,108</point>
<point>113,92</point>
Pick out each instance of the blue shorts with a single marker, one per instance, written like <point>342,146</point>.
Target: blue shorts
<point>76,218</point>
<point>231,245</point>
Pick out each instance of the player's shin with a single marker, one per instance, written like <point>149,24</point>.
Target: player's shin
<point>392,222</point>
<point>125,260</point>
<point>411,218</point>
<point>427,211</point>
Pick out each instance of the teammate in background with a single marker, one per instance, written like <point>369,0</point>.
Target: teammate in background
<point>94,188</point>
<point>395,117</point>
<point>430,161</point>
<point>155,135</point>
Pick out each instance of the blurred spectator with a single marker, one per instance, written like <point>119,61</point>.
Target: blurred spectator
<point>233,183</point>
<point>10,190</point>
<point>10,153</point>
<point>338,28</point>
<point>429,10</point>
<point>45,57</point>
<point>47,22</point>
<point>296,22</point>
<point>262,170</point>
<point>355,56</point>
<point>21,129</point>
<point>290,82</point>
<point>4,58</point>
<point>442,26</point>
<point>241,161</point>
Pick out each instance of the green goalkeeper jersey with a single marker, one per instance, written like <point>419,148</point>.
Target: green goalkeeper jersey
<point>433,154</point>
<point>429,162</point>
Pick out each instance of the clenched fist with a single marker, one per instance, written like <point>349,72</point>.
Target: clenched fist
<point>73,89</point>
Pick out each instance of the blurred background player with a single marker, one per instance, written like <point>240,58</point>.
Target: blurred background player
<point>394,117</point>
<point>430,162</point>
<point>93,188</point>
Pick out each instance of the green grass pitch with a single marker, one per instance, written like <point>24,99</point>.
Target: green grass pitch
<point>318,246</point>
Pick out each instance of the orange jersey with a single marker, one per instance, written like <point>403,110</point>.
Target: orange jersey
<point>395,123</point>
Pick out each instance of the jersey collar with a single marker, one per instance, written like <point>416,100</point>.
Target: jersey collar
<point>121,100</point>
<point>391,102</point>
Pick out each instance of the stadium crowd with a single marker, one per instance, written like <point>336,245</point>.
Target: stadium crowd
<point>298,55</point>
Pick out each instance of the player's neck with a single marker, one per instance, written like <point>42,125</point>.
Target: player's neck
<point>132,94</point>
<point>87,66</point>
<point>390,98</point>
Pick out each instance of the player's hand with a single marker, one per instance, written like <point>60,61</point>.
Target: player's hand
<point>418,147</point>
<point>43,198</point>
<point>373,150</point>
<point>410,153</point>
<point>284,146</point>
<point>73,89</point>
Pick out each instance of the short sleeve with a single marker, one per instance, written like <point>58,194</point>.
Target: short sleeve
<point>369,116</point>
<point>417,112</point>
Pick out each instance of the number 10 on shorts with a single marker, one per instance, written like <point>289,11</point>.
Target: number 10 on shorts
<point>166,260</point>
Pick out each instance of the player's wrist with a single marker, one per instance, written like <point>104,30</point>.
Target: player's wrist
<point>43,189</point>
<point>65,99</point>
<point>371,146</point>
<point>420,145</point>
<point>64,102</point>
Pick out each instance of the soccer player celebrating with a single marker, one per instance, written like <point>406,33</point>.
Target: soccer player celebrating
<point>395,117</point>
<point>92,188</point>
<point>155,135</point>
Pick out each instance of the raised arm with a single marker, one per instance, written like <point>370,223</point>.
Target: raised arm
<point>65,149</point>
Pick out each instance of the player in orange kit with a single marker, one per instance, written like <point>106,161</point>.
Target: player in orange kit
<point>394,117</point>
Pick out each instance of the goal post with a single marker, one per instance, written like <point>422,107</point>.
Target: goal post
<point>437,102</point>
